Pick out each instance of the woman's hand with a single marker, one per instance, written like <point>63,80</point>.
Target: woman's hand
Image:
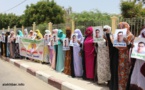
<point>125,39</point>
<point>78,42</point>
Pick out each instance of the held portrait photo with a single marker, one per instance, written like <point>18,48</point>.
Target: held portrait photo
<point>49,37</point>
<point>98,34</point>
<point>55,39</point>
<point>119,36</point>
<point>51,45</point>
<point>66,44</point>
<point>46,39</point>
<point>138,51</point>
<point>73,39</point>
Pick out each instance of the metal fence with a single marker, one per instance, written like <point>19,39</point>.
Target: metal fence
<point>136,24</point>
<point>84,25</point>
<point>61,26</point>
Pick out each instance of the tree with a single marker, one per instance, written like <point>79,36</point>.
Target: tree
<point>9,20</point>
<point>132,9</point>
<point>43,12</point>
<point>90,18</point>
<point>133,13</point>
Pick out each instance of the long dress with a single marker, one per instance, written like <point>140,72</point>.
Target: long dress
<point>60,53</point>
<point>88,58</point>
<point>67,63</point>
<point>113,55</point>
<point>3,45</point>
<point>60,59</point>
<point>102,63</point>
<point>17,52</point>
<point>68,55</point>
<point>138,76</point>
<point>77,61</point>
<point>52,56</point>
<point>54,60</point>
<point>12,47</point>
<point>124,67</point>
<point>8,46</point>
<point>46,52</point>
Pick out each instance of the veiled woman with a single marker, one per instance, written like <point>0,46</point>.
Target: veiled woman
<point>124,58</point>
<point>39,35</point>
<point>3,44</point>
<point>68,54</point>
<point>138,74</point>
<point>46,48</point>
<point>88,55</point>
<point>53,51</point>
<point>12,44</point>
<point>32,35</point>
<point>77,69</point>
<point>60,52</point>
<point>25,33</point>
<point>17,52</point>
<point>102,60</point>
<point>7,48</point>
<point>113,57</point>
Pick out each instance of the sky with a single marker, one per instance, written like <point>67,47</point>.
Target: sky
<point>108,6</point>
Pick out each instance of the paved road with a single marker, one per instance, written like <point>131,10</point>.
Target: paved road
<point>13,78</point>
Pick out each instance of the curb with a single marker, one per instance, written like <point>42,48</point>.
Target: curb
<point>59,84</point>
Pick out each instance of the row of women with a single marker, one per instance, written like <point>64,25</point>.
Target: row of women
<point>100,61</point>
<point>10,42</point>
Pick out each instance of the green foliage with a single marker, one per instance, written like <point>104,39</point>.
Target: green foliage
<point>43,12</point>
<point>133,13</point>
<point>42,27</point>
<point>91,18</point>
<point>131,9</point>
<point>9,20</point>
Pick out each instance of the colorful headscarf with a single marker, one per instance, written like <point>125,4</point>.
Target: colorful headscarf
<point>47,32</point>
<point>20,33</point>
<point>79,33</point>
<point>107,27</point>
<point>12,34</point>
<point>25,32</point>
<point>60,35</point>
<point>68,32</point>
<point>54,31</point>
<point>89,29</point>
<point>39,34</point>
<point>123,25</point>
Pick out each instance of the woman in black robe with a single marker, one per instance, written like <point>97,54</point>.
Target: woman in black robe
<point>3,44</point>
<point>113,55</point>
<point>7,52</point>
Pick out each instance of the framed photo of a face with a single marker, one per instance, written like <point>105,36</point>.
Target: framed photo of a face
<point>138,51</point>
<point>73,39</point>
<point>3,38</point>
<point>49,37</point>
<point>51,45</point>
<point>66,44</point>
<point>98,34</point>
<point>17,39</point>
<point>46,39</point>
<point>119,36</point>
<point>55,39</point>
